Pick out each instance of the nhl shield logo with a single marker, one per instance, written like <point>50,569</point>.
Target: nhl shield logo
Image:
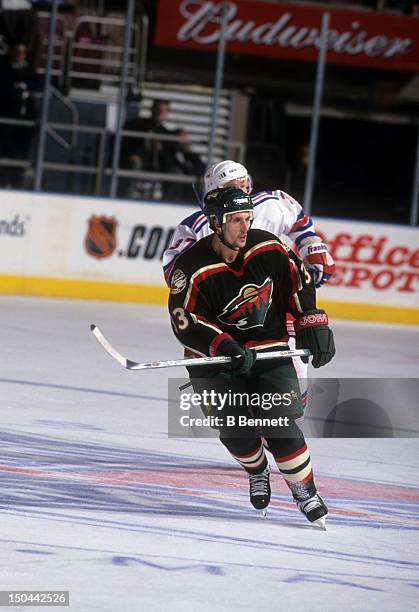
<point>250,307</point>
<point>100,239</point>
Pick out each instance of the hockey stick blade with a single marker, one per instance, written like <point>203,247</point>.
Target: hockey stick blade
<point>108,346</point>
<point>173,363</point>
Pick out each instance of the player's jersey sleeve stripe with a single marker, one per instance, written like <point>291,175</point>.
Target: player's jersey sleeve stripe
<point>297,284</point>
<point>302,220</point>
<point>196,279</point>
<point>198,219</point>
<point>202,224</point>
<point>303,224</point>
<point>295,306</point>
<point>190,352</point>
<point>270,245</point>
<point>216,343</point>
<point>290,324</point>
<point>192,219</point>
<point>260,194</point>
<point>302,237</point>
<point>203,321</point>
<point>264,198</point>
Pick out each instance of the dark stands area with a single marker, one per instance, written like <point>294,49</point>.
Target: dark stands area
<point>368,129</point>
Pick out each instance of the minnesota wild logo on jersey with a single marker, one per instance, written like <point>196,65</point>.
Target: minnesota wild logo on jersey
<point>249,308</point>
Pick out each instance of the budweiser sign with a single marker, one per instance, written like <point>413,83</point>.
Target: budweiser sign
<point>291,32</point>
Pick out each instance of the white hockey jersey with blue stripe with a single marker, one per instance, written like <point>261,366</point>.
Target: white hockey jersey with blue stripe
<point>274,211</point>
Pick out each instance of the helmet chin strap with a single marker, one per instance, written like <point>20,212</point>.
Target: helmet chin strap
<point>218,231</point>
<point>225,242</point>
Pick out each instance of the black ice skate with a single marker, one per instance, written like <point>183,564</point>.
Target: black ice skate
<point>260,490</point>
<point>315,510</point>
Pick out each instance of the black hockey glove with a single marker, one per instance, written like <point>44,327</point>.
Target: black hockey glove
<point>243,358</point>
<point>312,332</point>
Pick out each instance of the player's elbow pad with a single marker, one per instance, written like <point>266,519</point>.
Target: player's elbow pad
<point>312,332</point>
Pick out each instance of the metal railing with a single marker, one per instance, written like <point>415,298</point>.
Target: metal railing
<point>87,50</point>
<point>100,169</point>
<point>67,103</point>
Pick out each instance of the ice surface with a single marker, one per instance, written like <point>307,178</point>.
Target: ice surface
<point>98,501</point>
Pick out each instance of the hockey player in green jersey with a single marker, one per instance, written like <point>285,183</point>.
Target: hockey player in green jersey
<point>229,295</point>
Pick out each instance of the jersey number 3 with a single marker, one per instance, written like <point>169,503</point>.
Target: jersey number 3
<point>180,319</point>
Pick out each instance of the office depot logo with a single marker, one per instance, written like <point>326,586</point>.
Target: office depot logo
<point>371,260</point>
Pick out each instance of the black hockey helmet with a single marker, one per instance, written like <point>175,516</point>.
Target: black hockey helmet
<point>226,200</point>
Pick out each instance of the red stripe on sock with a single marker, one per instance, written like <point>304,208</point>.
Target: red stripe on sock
<point>309,477</point>
<point>300,451</point>
<point>249,454</point>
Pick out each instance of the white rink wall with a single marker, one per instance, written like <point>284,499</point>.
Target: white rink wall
<point>94,248</point>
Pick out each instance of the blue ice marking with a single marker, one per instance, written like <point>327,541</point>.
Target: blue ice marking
<point>323,579</point>
<point>68,425</point>
<point>33,552</point>
<point>214,570</point>
<point>30,383</point>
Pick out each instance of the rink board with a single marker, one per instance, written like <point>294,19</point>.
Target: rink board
<point>92,248</point>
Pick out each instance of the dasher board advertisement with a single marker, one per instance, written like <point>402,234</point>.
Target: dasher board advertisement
<point>111,249</point>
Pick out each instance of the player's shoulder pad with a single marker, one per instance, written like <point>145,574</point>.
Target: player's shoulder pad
<point>192,255</point>
<point>283,195</point>
<point>260,235</point>
<point>261,196</point>
<point>188,262</point>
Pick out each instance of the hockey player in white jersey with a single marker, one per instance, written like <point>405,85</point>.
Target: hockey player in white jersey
<point>274,211</point>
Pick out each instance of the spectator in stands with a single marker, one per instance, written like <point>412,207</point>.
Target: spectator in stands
<point>146,153</point>
<point>172,155</point>
<point>19,22</point>
<point>184,161</point>
<point>18,81</point>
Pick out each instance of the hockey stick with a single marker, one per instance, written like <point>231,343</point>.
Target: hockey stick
<point>199,196</point>
<point>172,363</point>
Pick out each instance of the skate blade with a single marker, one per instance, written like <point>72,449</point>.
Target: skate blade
<point>264,512</point>
<point>321,522</point>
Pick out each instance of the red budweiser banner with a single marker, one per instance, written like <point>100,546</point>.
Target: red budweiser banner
<point>291,32</point>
